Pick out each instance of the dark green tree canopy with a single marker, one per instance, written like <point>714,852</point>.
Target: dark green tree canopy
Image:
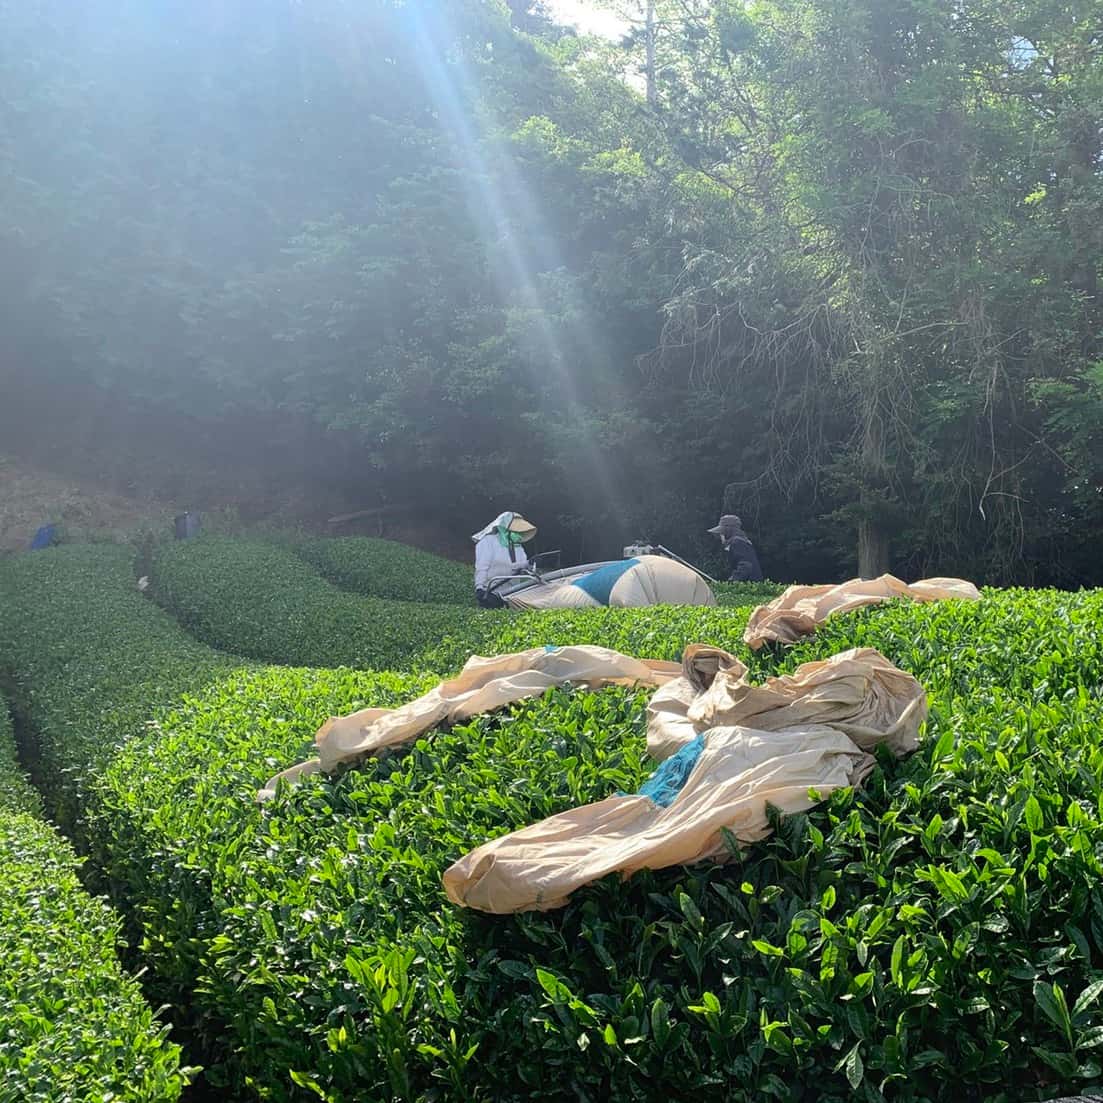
<point>831,264</point>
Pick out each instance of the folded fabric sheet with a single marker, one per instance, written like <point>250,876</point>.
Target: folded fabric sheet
<point>797,612</point>
<point>482,686</point>
<point>805,735</point>
<point>859,692</point>
<point>739,774</point>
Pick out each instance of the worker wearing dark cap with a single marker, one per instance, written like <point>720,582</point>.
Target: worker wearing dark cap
<point>742,557</point>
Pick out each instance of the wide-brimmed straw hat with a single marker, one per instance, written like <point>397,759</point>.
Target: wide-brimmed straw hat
<point>525,529</point>
<point>511,522</point>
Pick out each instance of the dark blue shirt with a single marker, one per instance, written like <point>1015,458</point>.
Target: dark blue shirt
<point>743,560</point>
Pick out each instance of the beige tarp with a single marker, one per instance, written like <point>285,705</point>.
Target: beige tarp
<point>839,711</point>
<point>798,611</point>
<point>482,686</point>
<point>858,692</point>
<point>785,744</point>
<point>649,580</point>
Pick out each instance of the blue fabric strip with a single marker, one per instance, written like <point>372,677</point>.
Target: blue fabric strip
<point>664,785</point>
<point>599,584</point>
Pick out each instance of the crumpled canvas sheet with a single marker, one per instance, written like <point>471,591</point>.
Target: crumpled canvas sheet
<point>786,744</point>
<point>482,686</point>
<point>629,583</point>
<point>858,692</point>
<point>800,609</point>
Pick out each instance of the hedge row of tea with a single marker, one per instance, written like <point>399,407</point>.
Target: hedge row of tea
<point>73,1025</point>
<point>383,568</point>
<point>94,667</point>
<point>260,600</point>
<point>935,936</point>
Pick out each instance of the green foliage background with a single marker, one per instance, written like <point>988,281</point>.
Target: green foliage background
<point>838,269</point>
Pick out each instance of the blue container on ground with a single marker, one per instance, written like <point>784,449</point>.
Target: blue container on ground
<point>45,537</point>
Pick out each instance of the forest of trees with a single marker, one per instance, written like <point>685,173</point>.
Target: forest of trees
<point>830,264</point>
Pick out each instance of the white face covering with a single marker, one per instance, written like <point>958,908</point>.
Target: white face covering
<point>502,520</point>
<point>501,525</point>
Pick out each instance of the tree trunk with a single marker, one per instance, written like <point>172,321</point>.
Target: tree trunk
<point>873,549</point>
<point>873,538</point>
<point>649,32</point>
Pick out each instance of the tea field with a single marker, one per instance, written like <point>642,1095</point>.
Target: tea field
<point>73,1024</point>
<point>936,936</point>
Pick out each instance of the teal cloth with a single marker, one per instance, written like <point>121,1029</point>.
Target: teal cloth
<point>664,785</point>
<point>599,584</point>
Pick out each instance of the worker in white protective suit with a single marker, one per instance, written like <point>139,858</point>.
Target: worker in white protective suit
<point>499,551</point>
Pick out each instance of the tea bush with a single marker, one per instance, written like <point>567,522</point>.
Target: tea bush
<point>935,936</point>
<point>746,593</point>
<point>84,692</point>
<point>1035,644</point>
<point>73,1025</point>
<point>259,600</point>
<point>383,568</point>
<point>16,792</point>
<point>932,937</point>
<point>653,632</point>
<point>88,658</point>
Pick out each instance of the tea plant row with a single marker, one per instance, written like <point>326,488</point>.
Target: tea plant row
<point>74,1024</point>
<point>260,600</point>
<point>936,936</point>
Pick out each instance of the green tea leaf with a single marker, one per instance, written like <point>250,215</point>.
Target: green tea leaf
<point>1050,999</point>
<point>1088,997</point>
<point>854,1067</point>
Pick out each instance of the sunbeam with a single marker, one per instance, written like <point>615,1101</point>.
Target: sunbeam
<point>499,201</point>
